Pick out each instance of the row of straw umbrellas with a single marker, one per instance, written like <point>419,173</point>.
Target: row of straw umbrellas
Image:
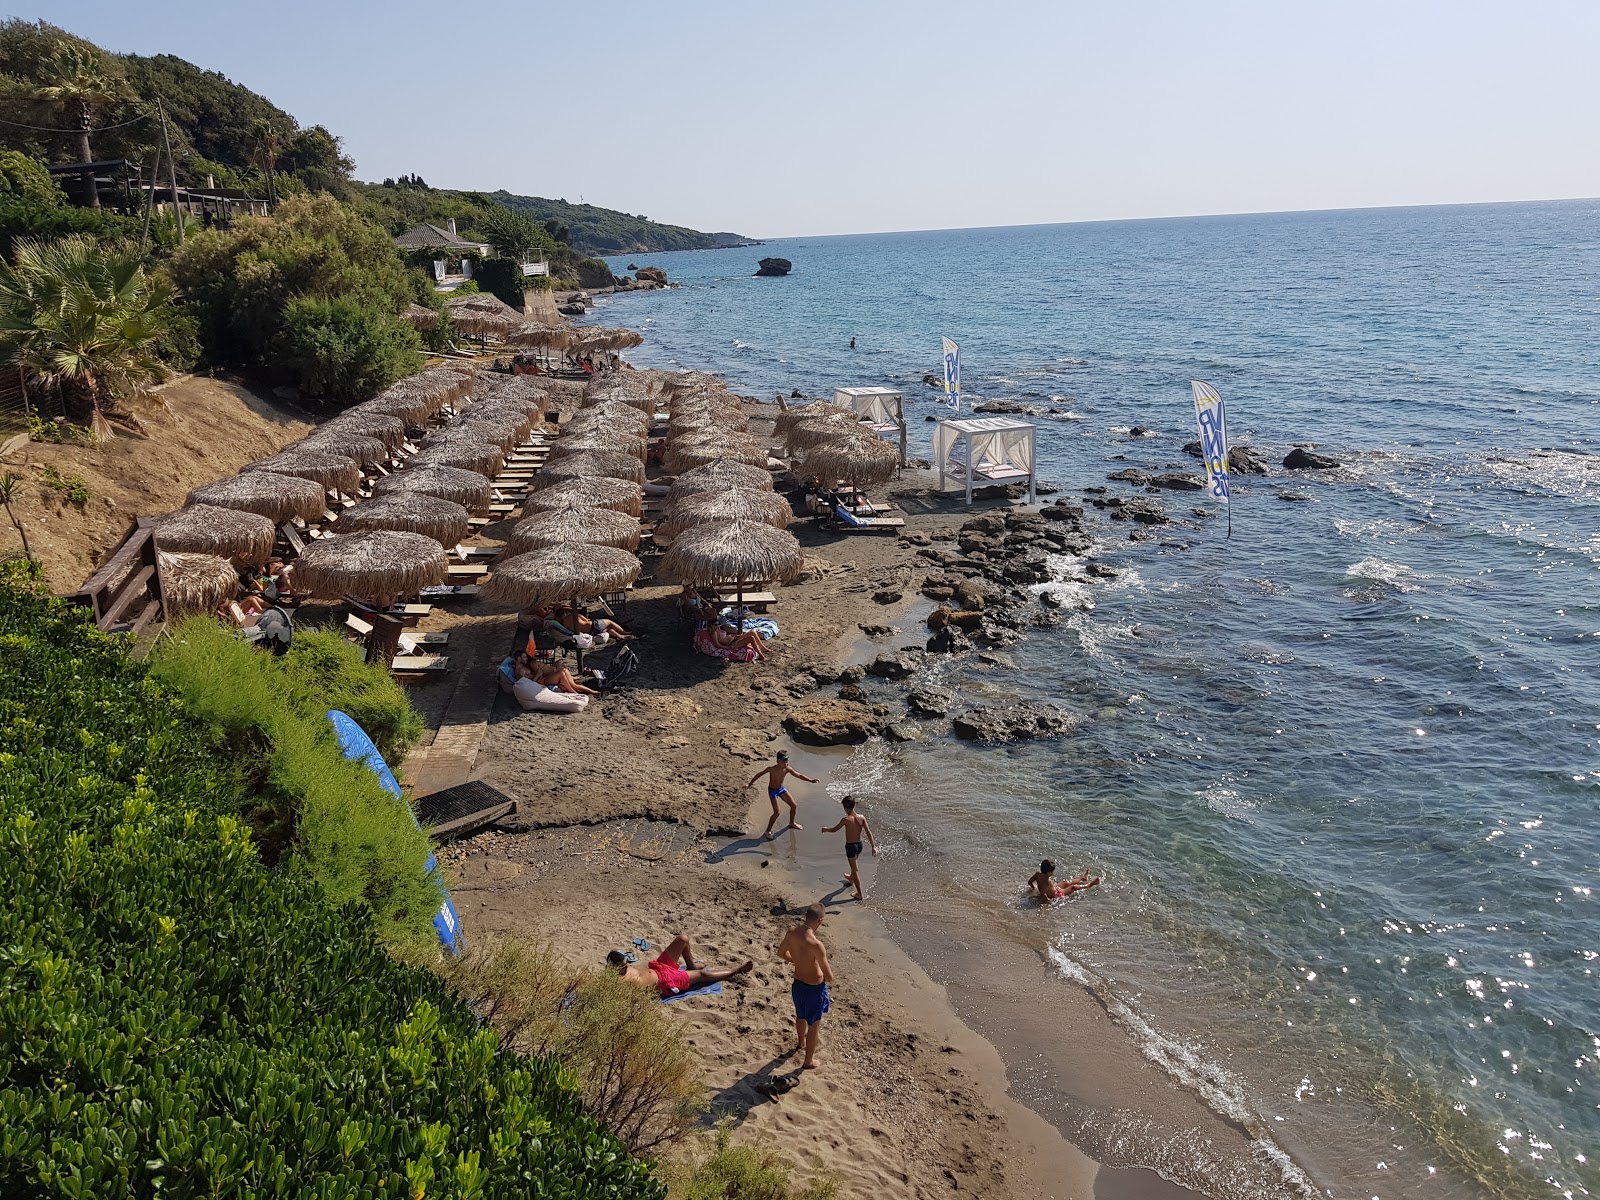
<point>486,316</point>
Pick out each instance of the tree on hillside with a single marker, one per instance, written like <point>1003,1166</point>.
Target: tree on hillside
<point>85,320</point>
<point>267,142</point>
<point>513,234</point>
<point>77,81</point>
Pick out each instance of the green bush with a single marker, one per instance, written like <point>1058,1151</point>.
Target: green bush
<point>324,671</point>
<point>729,1172</point>
<point>344,350</point>
<point>20,219</point>
<point>23,179</point>
<point>328,815</point>
<point>592,273</point>
<point>178,1020</point>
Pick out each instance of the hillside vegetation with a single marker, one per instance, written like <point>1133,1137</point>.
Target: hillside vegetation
<point>606,231</point>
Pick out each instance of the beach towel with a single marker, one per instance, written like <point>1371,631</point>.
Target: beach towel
<point>708,989</point>
<point>705,644</point>
<point>765,626</point>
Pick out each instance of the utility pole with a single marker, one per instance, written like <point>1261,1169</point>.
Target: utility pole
<point>150,198</point>
<point>172,168</point>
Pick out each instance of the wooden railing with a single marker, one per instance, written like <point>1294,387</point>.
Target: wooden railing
<point>125,591</point>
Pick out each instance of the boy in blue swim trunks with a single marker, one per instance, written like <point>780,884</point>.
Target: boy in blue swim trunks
<point>776,774</point>
<point>802,948</point>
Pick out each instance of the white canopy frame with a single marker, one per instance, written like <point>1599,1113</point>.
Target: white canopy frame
<point>883,409</point>
<point>986,450</point>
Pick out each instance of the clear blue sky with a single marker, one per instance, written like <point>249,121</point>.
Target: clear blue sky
<point>831,117</point>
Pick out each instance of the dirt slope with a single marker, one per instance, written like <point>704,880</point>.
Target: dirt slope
<point>211,429</point>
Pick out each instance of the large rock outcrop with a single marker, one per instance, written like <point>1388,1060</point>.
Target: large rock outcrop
<point>772,267</point>
<point>1301,459</point>
<point>831,723</point>
<point>1013,723</point>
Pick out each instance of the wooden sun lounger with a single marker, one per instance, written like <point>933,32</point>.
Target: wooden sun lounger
<point>869,524</point>
<point>450,591</point>
<point>292,536</point>
<point>460,571</point>
<point>502,509</point>
<point>410,663</point>
<point>468,553</point>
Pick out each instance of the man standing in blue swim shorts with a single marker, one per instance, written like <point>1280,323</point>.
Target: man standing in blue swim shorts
<point>804,949</point>
<point>776,774</point>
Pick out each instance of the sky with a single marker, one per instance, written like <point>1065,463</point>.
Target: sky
<point>823,117</point>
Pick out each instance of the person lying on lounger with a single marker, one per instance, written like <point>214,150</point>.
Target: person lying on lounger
<point>558,678</point>
<point>1043,884</point>
<point>666,975</point>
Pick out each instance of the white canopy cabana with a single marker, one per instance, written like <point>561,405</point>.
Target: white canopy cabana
<point>986,450</point>
<point>881,408</point>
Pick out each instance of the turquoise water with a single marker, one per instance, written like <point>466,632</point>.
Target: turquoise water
<point>1344,766</point>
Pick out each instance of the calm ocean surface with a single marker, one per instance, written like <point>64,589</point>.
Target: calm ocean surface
<point>1344,769</point>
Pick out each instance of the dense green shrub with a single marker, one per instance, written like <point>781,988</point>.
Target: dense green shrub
<point>324,671</point>
<point>178,1020</point>
<point>729,1172</point>
<point>23,178</point>
<point>344,350</point>
<point>306,800</point>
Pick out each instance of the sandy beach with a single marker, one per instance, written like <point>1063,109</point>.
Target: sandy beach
<point>635,821</point>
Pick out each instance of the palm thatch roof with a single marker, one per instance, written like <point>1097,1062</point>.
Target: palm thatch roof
<point>413,512</point>
<point>598,441</point>
<point>206,529</point>
<point>418,317</point>
<point>194,583</point>
<point>598,337</point>
<point>860,459</point>
<point>618,494</point>
<point>276,497</point>
<point>523,404</point>
<point>611,464</point>
<point>380,562</point>
<point>448,483</point>
<point>346,443</point>
<point>498,384</point>
<point>804,434</point>
<point>570,571</point>
<point>618,390</point>
<point>719,475</point>
<point>464,451</point>
<point>593,526</point>
<point>607,412</point>
<point>333,471</point>
<point>687,455</point>
<point>503,427</point>
<point>691,424</point>
<point>690,381</point>
<point>789,417</point>
<point>535,333</point>
<point>413,409</point>
<point>733,551</point>
<point>733,504</point>
<point>389,430</point>
<point>484,315</point>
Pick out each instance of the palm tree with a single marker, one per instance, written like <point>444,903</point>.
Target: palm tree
<point>84,319</point>
<point>76,81</point>
<point>267,142</point>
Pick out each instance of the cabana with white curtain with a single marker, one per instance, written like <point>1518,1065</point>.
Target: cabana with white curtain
<point>985,450</point>
<point>881,408</point>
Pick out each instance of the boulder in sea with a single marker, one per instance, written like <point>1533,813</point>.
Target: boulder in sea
<point>652,274</point>
<point>1301,459</point>
<point>949,640</point>
<point>887,596</point>
<point>1145,510</point>
<point>934,380</point>
<point>1130,475</point>
<point>1243,460</point>
<point>772,267</point>
<point>903,731</point>
<point>1179,481</point>
<point>1012,407</point>
<point>1013,723</point>
<point>830,723</point>
<point>900,664</point>
<point>931,701</point>
<point>1194,449</point>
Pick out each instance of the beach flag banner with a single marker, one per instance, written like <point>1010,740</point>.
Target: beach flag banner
<point>952,374</point>
<point>1212,420</point>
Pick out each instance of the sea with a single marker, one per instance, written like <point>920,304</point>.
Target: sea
<point>1341,766</point>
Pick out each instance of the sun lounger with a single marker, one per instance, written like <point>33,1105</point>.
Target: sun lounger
<point>292,536</point>
<point>848,521</point>
<point>503,510</point>
<point>459,572</point>
<point>470,552</point>
<point>450,591</point>
<point>417,663</point>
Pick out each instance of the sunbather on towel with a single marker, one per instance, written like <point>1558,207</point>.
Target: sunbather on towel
<point>666,975</point>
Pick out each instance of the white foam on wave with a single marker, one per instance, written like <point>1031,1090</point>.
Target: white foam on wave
<point>1396,575</point>
<point>868,772</point>
<point>1187,1063</point>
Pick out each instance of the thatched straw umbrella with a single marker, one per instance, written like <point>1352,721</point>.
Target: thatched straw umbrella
<point>409,407</point>
<point>448,483</point>
<point>598,337</point>
<point>609,464</point>
<point>598,441</point>
<point>789,417</point>
<point>380,562</point>
<point>346,443</point>
<point>688,456</point>
<point>689,381</point>
<point>413,512</point>
<point>194,583</point>
<point>592,526</point>
<point>621,383</point>
<point>504,427</point>
<point>389,430</point>
<point>571,571</point>
<point>695,424</point>
<point>205,529</point>
<point>610,412</point>
<point>802,435</point>
<point>484,316</point>
<point>465,452</point>
<point>720,475</point>
<point>536,333</point>
<point>740,553</point>
<point>616,494</point>
<point>418,317</point>
<point>859,459</point>
<point>276,497</point>
<point>516,404</point>
<point>332,471</point>
<point>707,508</point>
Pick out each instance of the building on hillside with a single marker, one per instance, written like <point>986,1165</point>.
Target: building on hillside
<point>450,254</point>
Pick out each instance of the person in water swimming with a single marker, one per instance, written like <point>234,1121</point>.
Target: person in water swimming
<point>673,971</point>
<point>1043,883</point>
<point>776,774</point>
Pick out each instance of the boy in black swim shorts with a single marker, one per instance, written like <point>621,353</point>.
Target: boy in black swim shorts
<point>855,828</point>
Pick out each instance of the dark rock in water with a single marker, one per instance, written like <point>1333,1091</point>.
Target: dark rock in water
<point>1141,509</point>
<point>1130,475</point>
<point>934,380</point>
<point>930,417</point>
<point>1014,407</point>
<point>1243,460</point>
<point>1050,599</point>
<point>1045,620</point>
<point>1014,723</point>
<point>1293,496</point>
<point>797,394</point>
<point>876,630</point>
<point>1041,488</point>
<point>902,731</point>
<point>949,640</point>
<point>830,723</point>
<point>774,266</point>
<point>1095,491</point>
<point>1194,449</point>
<point>1300,459</point>
<point>852,691</point>
<point>887,596</point>
<point>1102,571</point>
<point>1140,431</point>
<point>854,673</point>
<point>632,267</point>
<point>571,310</point>
<point>653,274</point>
<point>1061,510</point>
<point>939,617</point>
<point>901,664</point>
<point>931,701</point>
<point>1177,481</point>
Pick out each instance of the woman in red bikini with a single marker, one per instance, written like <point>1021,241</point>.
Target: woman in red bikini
<point>666,975</point>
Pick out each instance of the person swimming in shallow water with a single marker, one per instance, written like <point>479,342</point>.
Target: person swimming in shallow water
<point>1042,883</point>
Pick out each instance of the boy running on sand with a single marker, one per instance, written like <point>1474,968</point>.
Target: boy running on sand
<point>776,774</point>
<point>855,827</point>
<point>804,949</point>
